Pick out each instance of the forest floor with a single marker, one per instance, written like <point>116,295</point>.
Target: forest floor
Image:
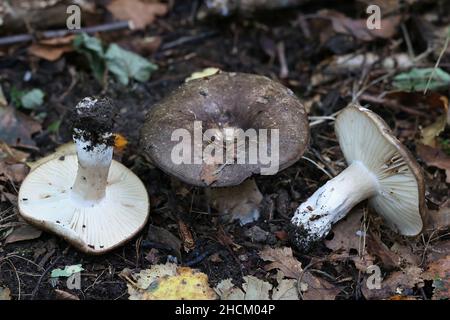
<point>324,53</point>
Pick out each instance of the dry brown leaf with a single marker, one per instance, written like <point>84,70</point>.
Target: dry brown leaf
<point>347,233</point>
<point>241,202</point>
<point>52,49</point>
<point>256,289</point>
<point>23,233</point>
<point>13,172</point>
<point>438,251</point>
<point>186,236</point>
<point>11,155</point>
<point>282,259</point>
<point>435,157</point>
<point>377,248</point>
<point>141,13</point>
<point>438,220</point>
<point>358,27</point>
<point>318,289</point>
<point>397,283</point>
<point>439,272</point>
<point>64,295</point>
<point>5,293</point>
<point>16,128</point>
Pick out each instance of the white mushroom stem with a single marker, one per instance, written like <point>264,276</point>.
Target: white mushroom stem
<point>93,168</point>
<point>333,201</point>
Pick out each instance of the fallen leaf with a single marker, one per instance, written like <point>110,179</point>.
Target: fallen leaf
<point>32,99</point>
<point>417,79</point>
<point>186,236</point>
<point>168,282</point>
<point>438,220</point>
<point>202,74</point>
<point>348,233</point>
<point>286,290</point>
<point>435,157</point>
<point>282,259</point>
<point>241,202</point>
<point>67,271</point>
<point>11,155</point>
<point>377,248</point>
<point>431,132</point>
<point>22,233</point>
<point>5,293</point>
<point>16,127</point>
<point>318,288</point>
<point>165,238</point>
<point>255,289</point>
<point>139,12</point>
<point>126,65</point>
<point>439,272</point>
<point>52,49</point>
<point>13,172</point>
<point>358,27</point>
<point>252,289</point>
<point>314,288</point>
<point>397,283</point>
<point>64,295</point>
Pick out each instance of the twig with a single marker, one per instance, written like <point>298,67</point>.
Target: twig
<point>407,40</point>
<point>392,104</point>
<point>25,37</point>
<point>447,39</point>
<point>36,288</point>
<point>318,166</point>
<point>187,39</point>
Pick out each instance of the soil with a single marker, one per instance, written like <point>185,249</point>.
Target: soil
<point>231,44</point>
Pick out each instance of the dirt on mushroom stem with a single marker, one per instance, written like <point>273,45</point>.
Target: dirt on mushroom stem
<point>94,123</point>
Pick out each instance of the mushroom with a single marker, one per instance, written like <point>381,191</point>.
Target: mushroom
<point>92,201</point>
<point>380,169</point>
<point>229,113</point>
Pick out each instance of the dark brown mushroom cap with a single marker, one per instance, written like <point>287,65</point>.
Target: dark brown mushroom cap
<point>226,100</point>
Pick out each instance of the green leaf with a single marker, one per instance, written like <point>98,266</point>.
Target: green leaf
<point>54,126</point>
<point>32,99</point>
<point>16,94</point>
<point>92,49</point>
<point>67,271</point>
<point>416,79</point>
<point>126,65</point>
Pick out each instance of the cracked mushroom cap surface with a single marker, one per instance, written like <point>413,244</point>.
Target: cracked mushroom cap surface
<point>225,101</point>
<point>364,136</point>
<point>46,201</point>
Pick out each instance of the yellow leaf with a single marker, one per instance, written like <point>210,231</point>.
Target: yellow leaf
<point>169,282</point>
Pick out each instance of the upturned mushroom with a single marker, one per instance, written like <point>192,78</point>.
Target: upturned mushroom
<point>92,201</point>
<point>380,169</point>
<point>219,130</point>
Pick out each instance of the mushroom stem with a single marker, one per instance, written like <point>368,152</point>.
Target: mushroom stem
<point>93,138</point>
<point>331,202</point>
<point>93,168</point>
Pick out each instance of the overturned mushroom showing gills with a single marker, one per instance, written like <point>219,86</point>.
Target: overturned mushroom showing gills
<point>380,169</point>
<point>233,114</point>
<point>92,201</point>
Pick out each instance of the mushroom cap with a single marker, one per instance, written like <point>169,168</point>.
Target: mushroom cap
<point>45,200</point>
<point>364,136</point>
<point>223,100</point>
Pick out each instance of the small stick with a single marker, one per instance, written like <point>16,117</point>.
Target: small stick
<point>19,38</point>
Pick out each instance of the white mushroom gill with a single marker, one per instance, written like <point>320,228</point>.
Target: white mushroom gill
<point>379,170</point>
<point>89,199</point>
